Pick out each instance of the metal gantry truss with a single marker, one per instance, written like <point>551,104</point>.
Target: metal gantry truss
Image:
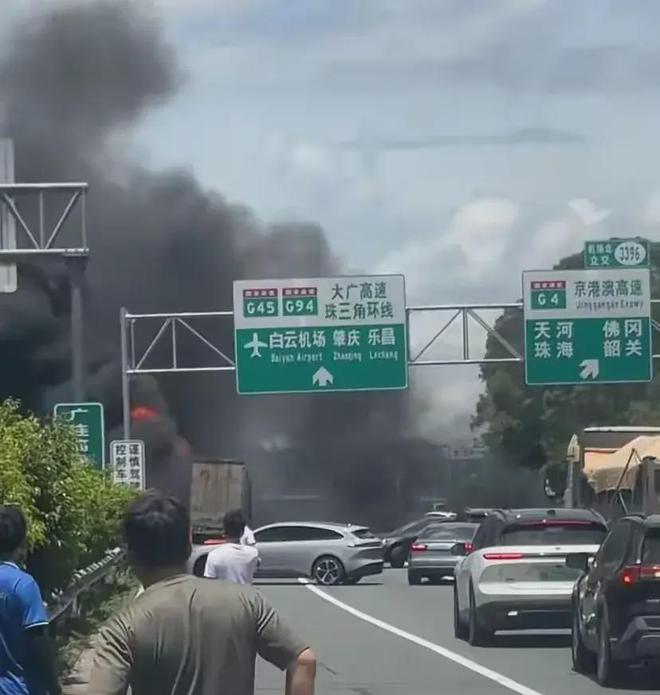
<point>139,354</point>
<point>40,239</point>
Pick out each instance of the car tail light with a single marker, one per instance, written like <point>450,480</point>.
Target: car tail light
<point>419,548</point>
<point>214,541</point>
<point>503,556</point>
<point>469,547</point>
<point>633,574</point>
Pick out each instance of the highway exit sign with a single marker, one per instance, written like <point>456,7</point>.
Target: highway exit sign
<point>320,334</point>
<point>587,326</point>
<point>617,253</point>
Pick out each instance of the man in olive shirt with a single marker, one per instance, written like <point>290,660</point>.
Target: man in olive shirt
<point>186,635</point>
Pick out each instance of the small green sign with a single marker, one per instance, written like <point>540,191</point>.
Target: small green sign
<point>549,295</point>
<point>260,302</point>
<point>331,334</point>
<point>89,427</point>
<point>300,301</point>
<point>599,333</point>
<point>617,253</point>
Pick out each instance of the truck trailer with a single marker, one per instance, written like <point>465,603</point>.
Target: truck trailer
<point>218,486</point>
<point>615,470</point>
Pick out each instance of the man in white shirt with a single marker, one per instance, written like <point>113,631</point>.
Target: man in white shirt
<point>233,561</point>
<point>248,537</point>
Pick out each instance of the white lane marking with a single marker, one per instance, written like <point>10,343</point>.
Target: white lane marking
<point>502,680</point>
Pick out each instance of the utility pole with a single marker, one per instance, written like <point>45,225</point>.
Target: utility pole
<point>125,378</point>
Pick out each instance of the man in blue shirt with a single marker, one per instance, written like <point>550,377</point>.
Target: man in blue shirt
<point>27,664</point>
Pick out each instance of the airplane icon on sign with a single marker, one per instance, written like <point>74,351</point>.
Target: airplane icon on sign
<point>255,345</point>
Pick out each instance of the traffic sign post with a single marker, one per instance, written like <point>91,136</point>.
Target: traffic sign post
<point>127,459</point>
<point>320,334</point>
<point>89,427</point>
<point>617,253</point>
<point>587,326</point>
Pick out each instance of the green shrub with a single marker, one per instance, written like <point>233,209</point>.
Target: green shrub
<point>73,510</point>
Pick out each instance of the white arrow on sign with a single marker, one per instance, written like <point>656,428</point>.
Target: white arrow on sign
<point>590,369</point>
<point>322,377</point>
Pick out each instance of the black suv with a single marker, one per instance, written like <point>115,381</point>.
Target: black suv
<point>616,602</point>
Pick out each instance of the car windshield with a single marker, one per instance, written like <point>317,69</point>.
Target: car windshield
<point>450,532</point>
<point>555,533</point>
<point>363,533</point>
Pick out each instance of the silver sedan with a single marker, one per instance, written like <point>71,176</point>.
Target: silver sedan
<point>433,554</point>
<point>328,553</point>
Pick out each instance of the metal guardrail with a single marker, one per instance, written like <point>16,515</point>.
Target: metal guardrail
<point>67,602</point>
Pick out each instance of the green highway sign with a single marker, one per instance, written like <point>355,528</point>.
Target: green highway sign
<point>89,427</point>
<point>320,334</point>
<point>587,326</point>
<point>617,253</point>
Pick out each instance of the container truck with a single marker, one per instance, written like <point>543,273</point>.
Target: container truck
<point>615,470</point>
<point>218,486</point>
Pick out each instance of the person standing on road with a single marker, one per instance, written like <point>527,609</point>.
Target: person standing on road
<point>248,536</point>
<point>27,661</point>
<point>233,561</point>
<point>186,635</point>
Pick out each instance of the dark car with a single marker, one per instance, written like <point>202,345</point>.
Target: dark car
<point>433,555</point>
<point>397,543</point>
<point>474,514</point>
<point>616,601</point>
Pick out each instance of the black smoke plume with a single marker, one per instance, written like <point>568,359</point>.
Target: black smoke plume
<point>74,79</point>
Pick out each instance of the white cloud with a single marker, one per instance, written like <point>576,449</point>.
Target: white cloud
<point>470,250</point>
<point>588,213</point>
<point>481,229</point>
<point>651,209</point>
<point>308,159</point>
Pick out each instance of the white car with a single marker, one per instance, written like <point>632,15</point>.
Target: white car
<point>514,574</point>
<point>329,553</point>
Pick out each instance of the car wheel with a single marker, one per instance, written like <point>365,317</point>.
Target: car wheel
<point>584,661</point>
<point>328,571</point>
<point>607,670</point>
<point>398,556</point>
<point>199,566</point>
<point>460,631</point>
<point>414,578</point>
<point>478,635</point>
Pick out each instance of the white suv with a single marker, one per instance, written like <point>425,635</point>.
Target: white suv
<point>514,574</point>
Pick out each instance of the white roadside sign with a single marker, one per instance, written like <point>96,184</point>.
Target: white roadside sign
<point>127,461</point>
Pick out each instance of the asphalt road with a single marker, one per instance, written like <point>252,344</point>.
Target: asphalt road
<point>383,637</point>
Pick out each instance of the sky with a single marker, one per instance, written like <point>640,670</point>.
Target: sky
<point>459,142</point>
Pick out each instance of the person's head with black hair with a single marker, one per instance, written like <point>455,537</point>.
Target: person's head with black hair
<point>13,530</point>
<point>233,524</point>
<point>157,535</point>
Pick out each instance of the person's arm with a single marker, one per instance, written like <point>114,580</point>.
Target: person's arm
<point>278,645</point>
<point>209,568</point>
<point>113,661</point>
<point>39,643</point>
<point>301,674</point>
<point>40,647</point>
